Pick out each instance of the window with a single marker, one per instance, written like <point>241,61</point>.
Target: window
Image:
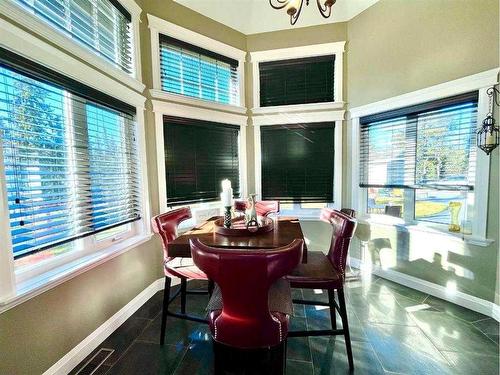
<point>69,155</point>
<point>298,162</point>
<point>297,81</point>
<point>198,156</point>
<point>104,26</point>
<point>415,161</point>
<point>195,72</point>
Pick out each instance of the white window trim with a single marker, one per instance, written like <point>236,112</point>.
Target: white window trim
<point>16,287</point>
<point>336,48</point>
<point>477,82</point>
<point>300,113</point>
<point>337,172</point>
<point>162,108</point>
<point>20,15</point>
<point>159,26</point>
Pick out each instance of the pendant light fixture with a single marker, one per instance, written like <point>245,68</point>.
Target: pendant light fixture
<point>294,7</point>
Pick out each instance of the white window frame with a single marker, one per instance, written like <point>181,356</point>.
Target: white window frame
<point>300,113</point>
<point>166,108</point>
<point>479,82</point>
<point>159,26</point>
<point>21,15</point>
<point>17,286</point>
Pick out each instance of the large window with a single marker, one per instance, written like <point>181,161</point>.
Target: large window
<point>298,162</point>
<point>297,81</point>
<point>418,160</point>
<point>104,26</point>
<point>195,72</point>
<point>69,155</point>
<point>198,156</point>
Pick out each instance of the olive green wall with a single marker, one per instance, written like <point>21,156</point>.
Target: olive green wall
<point>39,332</point>
<point>398,46</point>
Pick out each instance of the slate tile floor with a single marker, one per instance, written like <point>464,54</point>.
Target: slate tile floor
<point>395,330</point>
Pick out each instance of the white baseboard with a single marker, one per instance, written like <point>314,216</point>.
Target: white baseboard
<point>92,341</point>
<point>459,298</point>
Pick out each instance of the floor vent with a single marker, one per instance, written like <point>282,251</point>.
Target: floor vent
<point>91,366</point>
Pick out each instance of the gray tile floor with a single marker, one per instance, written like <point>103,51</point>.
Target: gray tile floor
<point>394,330</point>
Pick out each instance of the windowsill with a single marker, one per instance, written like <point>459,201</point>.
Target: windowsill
<point>33,287</point>
<point>310,107</point>
<point>20,15</point>
<point>185,100</point>
<point>419,227</point>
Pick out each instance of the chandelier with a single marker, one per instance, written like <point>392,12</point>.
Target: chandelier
<point>293,7</point>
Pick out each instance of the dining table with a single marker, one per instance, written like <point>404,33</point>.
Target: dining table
<point>285,230</point>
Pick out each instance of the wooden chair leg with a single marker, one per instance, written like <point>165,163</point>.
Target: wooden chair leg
<point>345,326</point>
<point>183,295</point>
<point>166,300</point>
<point>331,302</point>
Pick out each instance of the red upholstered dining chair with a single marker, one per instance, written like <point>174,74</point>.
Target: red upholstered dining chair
<point>263,208</point>
<point>328,272</point>
<point>251,312</point>
<point>165,225</point>
<point>349,212</point>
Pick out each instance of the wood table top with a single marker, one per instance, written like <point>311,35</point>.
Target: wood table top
<point>286,229</point>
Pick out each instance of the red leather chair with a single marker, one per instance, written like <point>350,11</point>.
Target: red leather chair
<point>245,278</point>
<point>328,272</point>
<point>263,208</point>
<point>165,225</point>
<point>349,212</point>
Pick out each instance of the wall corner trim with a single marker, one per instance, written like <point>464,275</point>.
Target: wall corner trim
<point>92,341</point>
<point>459,298</point>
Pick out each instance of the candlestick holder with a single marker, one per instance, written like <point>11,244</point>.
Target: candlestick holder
<point>227,217</point>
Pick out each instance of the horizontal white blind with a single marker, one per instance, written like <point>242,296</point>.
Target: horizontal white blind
<point>71,165</point>
<point>102,25</point>
<point>192,71</point>
<point>432,146</point>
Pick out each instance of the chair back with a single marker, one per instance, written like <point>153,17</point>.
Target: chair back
<point>165,225</point>
<point>263,208</point>
<point>244,278</point>
<point>343,231</point>
<point>349,212</point>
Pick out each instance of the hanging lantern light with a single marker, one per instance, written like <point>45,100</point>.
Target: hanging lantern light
<point>488,137</point>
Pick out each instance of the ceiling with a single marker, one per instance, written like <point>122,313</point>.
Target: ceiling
<point>257,16</point>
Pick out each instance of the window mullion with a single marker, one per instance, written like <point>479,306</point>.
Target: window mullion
<point>7,279</point>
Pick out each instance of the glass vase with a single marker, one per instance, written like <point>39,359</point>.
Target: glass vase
<point>454,208</point>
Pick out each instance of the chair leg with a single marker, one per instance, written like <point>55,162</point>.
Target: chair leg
<point>345,326</point>
<point>166,300</point>
<point>331,303</point>
<point>183,295</point>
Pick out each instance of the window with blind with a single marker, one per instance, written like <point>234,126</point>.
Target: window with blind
<point>198,156</point>
<point>196,72</point>
<point>428,150</point>
<point>69,155</point>
<point>297,81</point>
<point>298,162</point>
<point>104,26</point>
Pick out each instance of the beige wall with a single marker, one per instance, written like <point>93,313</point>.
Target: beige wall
<point>393,47</point>
<point>398,46</point>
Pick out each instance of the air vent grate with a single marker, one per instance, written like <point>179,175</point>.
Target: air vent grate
<point>95,362</point>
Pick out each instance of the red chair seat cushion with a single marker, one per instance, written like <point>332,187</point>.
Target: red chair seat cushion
<point>317,273</point>
<point>185,268</point>
<point>279,298</point>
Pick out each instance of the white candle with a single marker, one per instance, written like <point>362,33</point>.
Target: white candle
<point>226,196</point>
<point>490,139</point>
